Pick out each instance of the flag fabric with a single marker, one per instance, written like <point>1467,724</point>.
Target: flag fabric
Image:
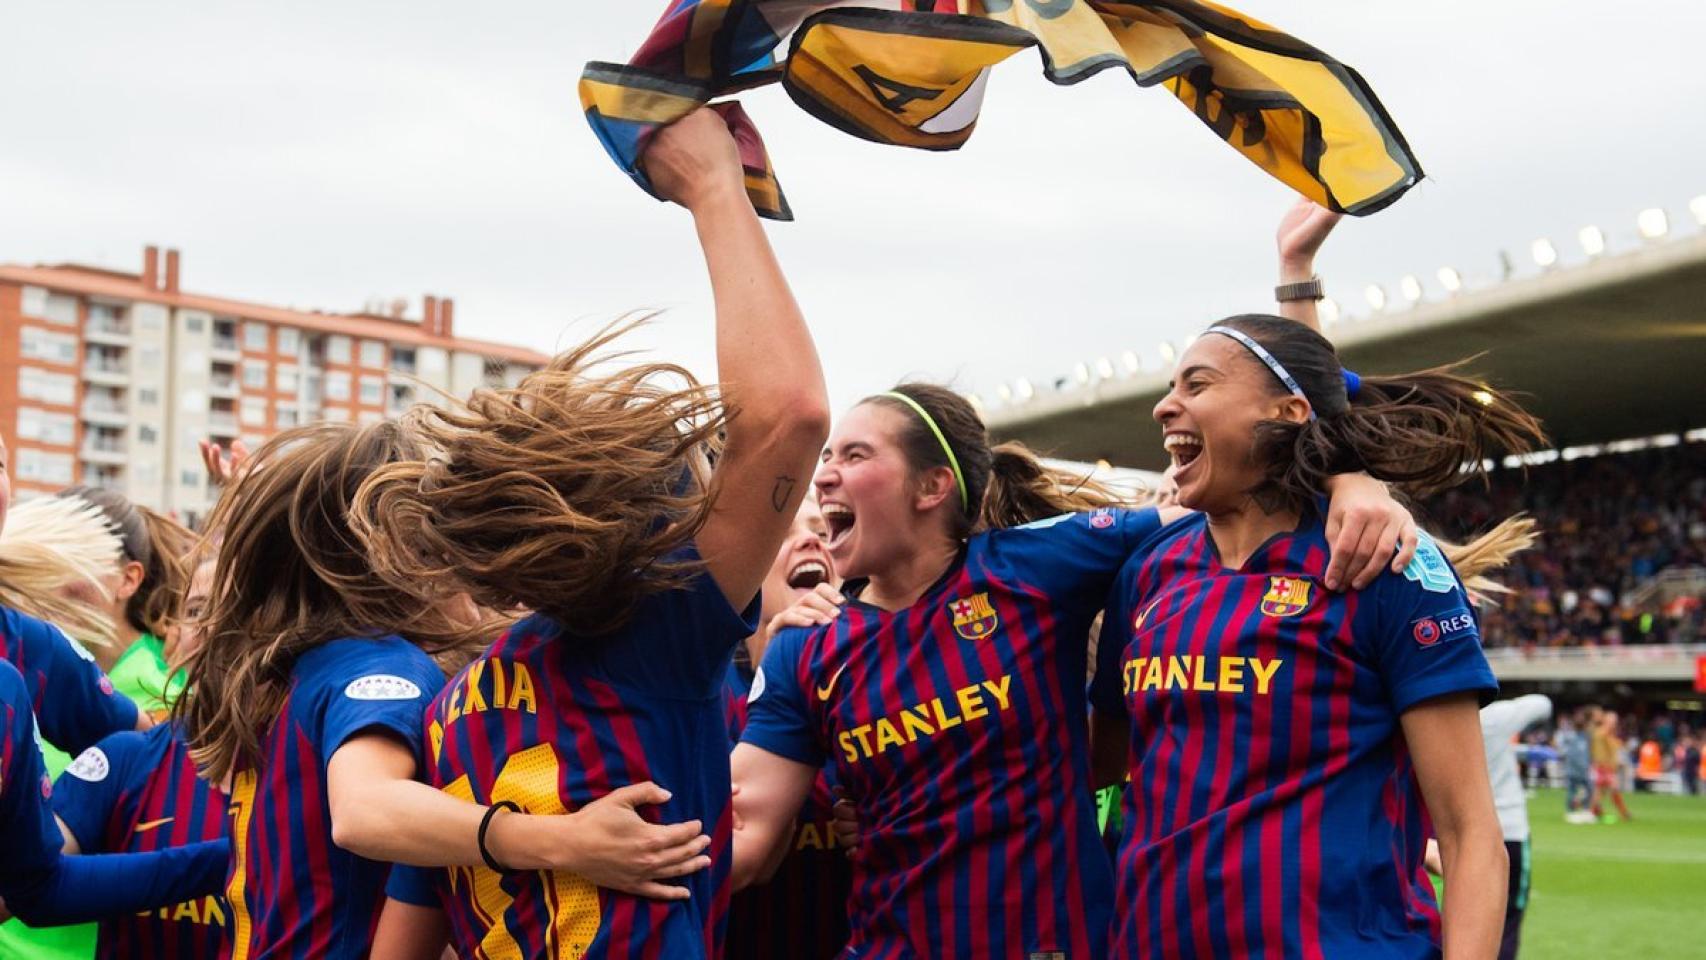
<point>913,73</point>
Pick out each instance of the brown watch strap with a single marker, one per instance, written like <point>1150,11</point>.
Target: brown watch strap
<point>1310,289</point>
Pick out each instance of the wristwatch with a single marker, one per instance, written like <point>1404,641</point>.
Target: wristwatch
<point>1310,289</point>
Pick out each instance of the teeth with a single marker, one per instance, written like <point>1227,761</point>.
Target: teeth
<point>836,510</point>
<point>1177,441</point>
<point>811,566</point>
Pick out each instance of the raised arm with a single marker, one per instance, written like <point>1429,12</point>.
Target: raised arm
<point>1301,233</point>
<point>766,363</point>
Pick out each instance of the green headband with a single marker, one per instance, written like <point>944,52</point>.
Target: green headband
<point>953,461</point>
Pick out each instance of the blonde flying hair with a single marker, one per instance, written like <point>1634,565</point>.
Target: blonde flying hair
<point>50,544</point>
<point>570,494</point>
<point>290,576</point>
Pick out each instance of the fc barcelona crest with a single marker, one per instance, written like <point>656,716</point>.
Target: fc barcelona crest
<point>974,618</point>
<point>1286,597</point>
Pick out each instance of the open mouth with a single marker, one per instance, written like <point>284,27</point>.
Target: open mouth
<point>807,574</point>
<point>839,518</point>
<point>1184,448</point>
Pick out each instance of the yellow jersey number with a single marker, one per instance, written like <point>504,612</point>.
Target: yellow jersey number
<point>529,780</point>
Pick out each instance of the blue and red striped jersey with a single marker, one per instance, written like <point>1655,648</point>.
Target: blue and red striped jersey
<point>959,727</point>
<point>32,840</point>
<point>293,892</point>
<point>1273,809</point>
<point>553,721</point>
<point>75,702</point>
<point>801,912</point>
<point>136,793</point>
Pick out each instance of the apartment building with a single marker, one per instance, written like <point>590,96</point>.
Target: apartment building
<point>112,378</point>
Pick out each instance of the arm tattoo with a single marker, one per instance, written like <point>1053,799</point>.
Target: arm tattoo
<point>781,493</point>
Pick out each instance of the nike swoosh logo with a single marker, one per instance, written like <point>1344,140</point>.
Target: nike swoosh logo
<point>823,691</point>
<point>150,825</point>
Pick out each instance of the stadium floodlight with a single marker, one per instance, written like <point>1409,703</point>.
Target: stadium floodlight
<point>1545,254</point>
<point>1005,393</point>
<point>1593,241</point>
<point>1168,354</point>
<point>1023,390</point>
<point>1081,372</point>
<point>1104,368</point>
<point>1130,361</point>
<point>1450,279</point>
<point>975,401</point>
<point>1329,310</point>
<point>1697,206</point>
<point>1376,296</point>
<point>1653,223</point>
<point>1411,288</point>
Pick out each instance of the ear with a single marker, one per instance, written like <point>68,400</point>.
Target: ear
<point>130,580</point>
<point>1293,409</point>
<point>935,486</point>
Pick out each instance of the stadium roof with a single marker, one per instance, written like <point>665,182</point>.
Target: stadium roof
<point>1614,347</point>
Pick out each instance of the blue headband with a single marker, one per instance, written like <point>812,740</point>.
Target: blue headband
<point>1353,384</point>
<point>1261,353</point>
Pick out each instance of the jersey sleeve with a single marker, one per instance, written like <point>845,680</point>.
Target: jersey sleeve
<point>778,715</point>
<point>680,641</point>
<point>387,689</point>
<point>1427,640</point>
<point>415,886</point>
<point>77,705</point>
<point>1076,556</point>
<point>32,841</point>
<point>102,886</point>
<point>1107,687</point>
<point>90,788</point>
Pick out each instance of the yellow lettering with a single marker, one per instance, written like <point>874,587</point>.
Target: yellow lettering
<point>499,682</point>
<point>1232,674</point>
<point>523,690</point>
<point>847,747</point>
<point>1133,670</point>
<point>916,724</point>
<point>861,734</point>
<point>999,689</point>
<point>453,707</point>
<point>435,734</point>
<point>187,911</point>
<point>1176,673</point>
<point>970,706</point>
<point>1153,676</point>
<point>1264,670</point>
<point>942,717</point>
<point>211,912</point>
<point>476,699</point>
<point>809,838</point>
<point>1198,681</point>
<point>887,735</point>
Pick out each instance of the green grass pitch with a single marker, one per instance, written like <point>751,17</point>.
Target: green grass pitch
<point>1605,891</point>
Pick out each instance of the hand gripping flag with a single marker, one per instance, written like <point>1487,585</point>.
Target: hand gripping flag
<point>912,72</point>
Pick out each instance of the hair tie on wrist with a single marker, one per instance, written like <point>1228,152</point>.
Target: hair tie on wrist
<point>486,824</point>
<point>1353,384</point>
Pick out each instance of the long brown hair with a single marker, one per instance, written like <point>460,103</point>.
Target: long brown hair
<point>1006,485</point>
<point>1421,432</point>
<point>569,494</point>
<point>290,576</point>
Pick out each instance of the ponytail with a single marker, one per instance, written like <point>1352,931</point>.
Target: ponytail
<point>1491,551</point>
<point>53,543</point>
<point>1022,489</point>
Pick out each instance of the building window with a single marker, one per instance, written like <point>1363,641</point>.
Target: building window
<point>372,391</point>
<point>289,341</point>
<point>32,302</point>
<point>39,466</point>
<point>106,318</point>
<point>286,379</point>
<point>39,344</point>
<point>337,349</point>
<point>147,396</point>
<point>60,309</point>
<point>254,375</point>
<point>372,354</point>
<point>45,427</point>
<point>254,412</point>
<point>147,434</point>
<point>190,479</point>
<point>335,414</point>
<point>47,387</point>
<point>195,323</point>
<point>286,417</point>
<point>337,386</point>
<point>254,336</point>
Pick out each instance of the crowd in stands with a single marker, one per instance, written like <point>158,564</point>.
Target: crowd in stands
<point>1607,525</point>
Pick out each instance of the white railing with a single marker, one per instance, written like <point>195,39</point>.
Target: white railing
<point>1658,661</point>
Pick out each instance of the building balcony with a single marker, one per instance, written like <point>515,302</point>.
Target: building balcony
<point>225,349</point>
<point>222,424</point>
<point>107,373</point>
<point>105,414</point>
<point>97,450</point>
<point>223,387</point>
<point>110,332</point>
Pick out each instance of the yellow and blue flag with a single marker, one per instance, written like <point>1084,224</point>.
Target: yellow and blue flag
<point>913,72</point>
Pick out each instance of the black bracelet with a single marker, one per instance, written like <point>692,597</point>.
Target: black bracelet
<point>485,824</point>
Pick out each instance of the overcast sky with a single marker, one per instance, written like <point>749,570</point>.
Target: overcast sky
<point>321,154</point>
